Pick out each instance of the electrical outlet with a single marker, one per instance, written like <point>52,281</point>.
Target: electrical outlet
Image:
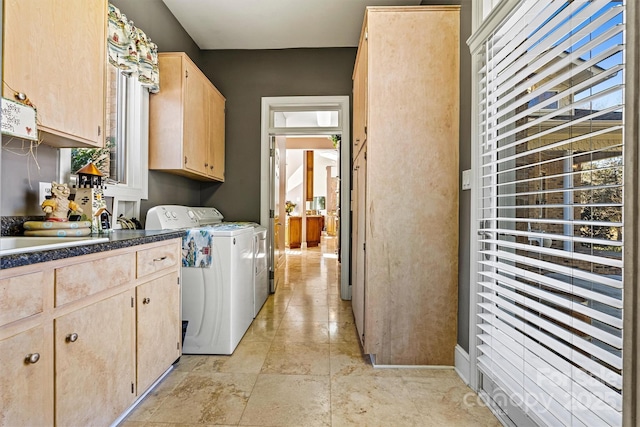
<point>45,191</point>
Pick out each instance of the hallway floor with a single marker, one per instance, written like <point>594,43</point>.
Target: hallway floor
<point>300,364</point>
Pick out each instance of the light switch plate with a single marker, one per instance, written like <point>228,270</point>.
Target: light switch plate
<point>466,179</point>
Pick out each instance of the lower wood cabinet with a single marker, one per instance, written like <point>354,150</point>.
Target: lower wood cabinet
<point>158,328</point>
<point>26,379</point>
<point>94,377</point>
<point>293,232</point>
<point>87,354</point>
<point>314,230</point>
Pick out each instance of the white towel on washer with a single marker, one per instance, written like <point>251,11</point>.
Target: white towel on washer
<point>196,248</point>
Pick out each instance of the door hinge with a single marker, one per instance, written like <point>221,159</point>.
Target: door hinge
<point>364,247</point>
<point>99,130</point>
<point>365,130</point>
<point>178,280</point>
<point>186,74</point>
<point>365,155</point>
<point>131,302</point>
<point>185,160</point>
<point>132,389</point>
<point>271,275</point>
<point>271,213</point>
<point>178,345</point>
<point>272,152</point>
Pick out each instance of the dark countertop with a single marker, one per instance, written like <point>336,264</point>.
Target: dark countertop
<point>117,239</point>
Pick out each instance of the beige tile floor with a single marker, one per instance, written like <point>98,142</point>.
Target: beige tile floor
<point>300,364</point>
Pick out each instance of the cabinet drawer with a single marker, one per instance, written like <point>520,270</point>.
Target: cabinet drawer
<point>156,259</point>
<point>23,296</point>
<point>80,280</point>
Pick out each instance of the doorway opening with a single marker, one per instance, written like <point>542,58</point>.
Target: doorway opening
<point>303,118</point>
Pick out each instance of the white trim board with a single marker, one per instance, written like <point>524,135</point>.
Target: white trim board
<point>462,366</point>
<point>305,103</point>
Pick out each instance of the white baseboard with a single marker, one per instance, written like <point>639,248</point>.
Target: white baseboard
<point>462,364</point>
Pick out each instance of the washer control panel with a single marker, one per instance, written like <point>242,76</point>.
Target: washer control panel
<point>170,217</point>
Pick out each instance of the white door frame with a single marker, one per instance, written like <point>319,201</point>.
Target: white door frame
<point>305,103</point>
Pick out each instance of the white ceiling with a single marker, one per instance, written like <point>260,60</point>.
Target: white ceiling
<point>274,24</point>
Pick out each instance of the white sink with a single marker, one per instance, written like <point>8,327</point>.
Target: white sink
<point>21,244</point>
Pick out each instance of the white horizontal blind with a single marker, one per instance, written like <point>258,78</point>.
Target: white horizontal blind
<point>551,232</point>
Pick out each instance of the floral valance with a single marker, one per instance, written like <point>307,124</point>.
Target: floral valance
<point>131,50</point>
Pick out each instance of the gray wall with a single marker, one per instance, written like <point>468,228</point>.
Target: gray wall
<point>244,77</point>
<point>21,174</point>
<point>21,170</point>
<point>465,163</point>
<point>155,19</point>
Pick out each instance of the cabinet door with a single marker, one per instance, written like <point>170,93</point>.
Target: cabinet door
<point>54,52</point>
<point>195,131</point>
<point>158,328</point>
<point>294,230</point>
<point>358,301</point>
<point>308,154</point>
<point>94,362</point>
<point>360,98</point>
<point>217,135</point>
<point>314,230</point>
<point>26,380</point>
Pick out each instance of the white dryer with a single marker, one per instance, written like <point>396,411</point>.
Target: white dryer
<point>216,276</point>
<point>260,270</point>
<point>207,215</point>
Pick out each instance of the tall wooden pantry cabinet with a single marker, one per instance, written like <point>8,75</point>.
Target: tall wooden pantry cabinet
<point>405,178</point>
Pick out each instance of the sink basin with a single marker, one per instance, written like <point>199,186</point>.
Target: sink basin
<point>21,244</point>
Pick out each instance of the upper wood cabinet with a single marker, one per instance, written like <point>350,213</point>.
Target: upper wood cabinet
<point>54,52</point>
<point>405,185</point>
<point>186,121</point>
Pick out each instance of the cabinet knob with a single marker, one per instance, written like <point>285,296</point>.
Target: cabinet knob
<point>211,167</point>
<point>146,300</point>
<point>72,337</point>
<point>206,165</point>
<point>32,358</point>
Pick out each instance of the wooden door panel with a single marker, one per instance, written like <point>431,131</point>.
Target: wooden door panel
<point>94,368</point>
<point>26,389</point>
<point>158,328</point>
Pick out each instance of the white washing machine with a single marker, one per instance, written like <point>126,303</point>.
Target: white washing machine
<point>207,215</point>
<point>217,277</point>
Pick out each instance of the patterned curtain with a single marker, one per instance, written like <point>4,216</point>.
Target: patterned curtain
<point>131,50</point>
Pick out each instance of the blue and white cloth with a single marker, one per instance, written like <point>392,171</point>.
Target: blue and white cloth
<point>196,248</point>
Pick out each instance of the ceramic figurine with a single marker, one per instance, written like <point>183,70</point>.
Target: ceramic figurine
<point>90,197</point>
<point>57,207</point>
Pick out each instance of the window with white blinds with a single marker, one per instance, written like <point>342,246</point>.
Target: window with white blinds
<point>551,227</point>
